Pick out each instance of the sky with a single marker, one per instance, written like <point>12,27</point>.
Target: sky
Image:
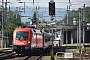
<point>74,4</point>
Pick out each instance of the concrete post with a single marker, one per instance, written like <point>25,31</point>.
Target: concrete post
<point>2,42</point>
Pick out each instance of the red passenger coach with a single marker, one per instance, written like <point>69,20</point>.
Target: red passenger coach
<point>37,40</point>
<point>28,39</point>
<point>40,39</point>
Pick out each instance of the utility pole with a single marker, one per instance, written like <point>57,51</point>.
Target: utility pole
<point>55,26</point>
<point>6,10</point>
<point>24,7</point>
<point>68,8</point>
<point>6,21</point>
<point>83,24</point>
<point>80,32</point>
<point>77,36</point>
<point>33,11</point>
<point>33,2</point>
<point>66,27</point>
<point>43,24</point>
<point>2,42</point>
<point>36,16</point>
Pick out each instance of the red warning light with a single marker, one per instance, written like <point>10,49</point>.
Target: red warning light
<point>50,13</point>
<point>51,8</point>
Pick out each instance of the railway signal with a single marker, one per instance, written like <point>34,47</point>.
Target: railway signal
<point>52,13</point>
<point>51,8</point>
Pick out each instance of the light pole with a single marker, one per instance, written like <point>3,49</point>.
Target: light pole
<point>66,28</point>
<point>80,32</point>
<point>84,24</point>
<point>2,42</point>
<point>68,8</point>
<point>36,16</point>
<point>4,14</point>
<point>6,21</point>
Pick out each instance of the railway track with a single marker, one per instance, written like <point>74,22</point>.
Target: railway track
<point>35,58</point>
<point>10,55</point>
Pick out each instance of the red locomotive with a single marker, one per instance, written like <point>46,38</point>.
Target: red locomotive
<point>28,39</point>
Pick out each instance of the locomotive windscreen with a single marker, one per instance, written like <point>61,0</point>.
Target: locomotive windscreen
<point>21,35</point>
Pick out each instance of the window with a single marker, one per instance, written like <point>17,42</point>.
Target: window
<point>21,35</point>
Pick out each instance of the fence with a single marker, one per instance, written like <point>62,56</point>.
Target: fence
<point>72,56</point>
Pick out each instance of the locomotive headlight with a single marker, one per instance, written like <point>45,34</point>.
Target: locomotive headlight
<point>14,42</point>
<point>28,42</point>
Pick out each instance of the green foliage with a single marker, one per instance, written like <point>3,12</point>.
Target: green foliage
<point>40,27</point>
<point>9,28</point>
<point>59,22</point>
<point>87,15</point>
<point>34,18</point>
<point>13,21</point>
<point>71,15</point>
<point>46,29</point>
<point>75,14</point>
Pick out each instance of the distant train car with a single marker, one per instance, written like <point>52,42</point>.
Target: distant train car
<point>40,39</point>
<point>28,39</point>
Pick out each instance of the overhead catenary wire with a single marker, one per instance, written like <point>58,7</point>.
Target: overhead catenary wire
<point>76,2</point>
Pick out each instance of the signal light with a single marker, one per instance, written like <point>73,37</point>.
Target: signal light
<point>50,13</point>
<point>51,8</point>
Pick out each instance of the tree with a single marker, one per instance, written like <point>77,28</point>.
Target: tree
<point>13,21</point>
<point>87,15</point>
<point>34,18</point>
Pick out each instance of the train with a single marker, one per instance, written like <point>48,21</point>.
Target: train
<point>27,39</point>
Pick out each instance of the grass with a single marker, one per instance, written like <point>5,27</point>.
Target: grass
<point>77,50</point>
<point>71,45</point>
<point>4,48</point>
<point>87,49</point>
<point>82,49</point>
<point>48,57</point>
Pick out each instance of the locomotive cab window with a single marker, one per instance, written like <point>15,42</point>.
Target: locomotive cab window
<point>21,35</point>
